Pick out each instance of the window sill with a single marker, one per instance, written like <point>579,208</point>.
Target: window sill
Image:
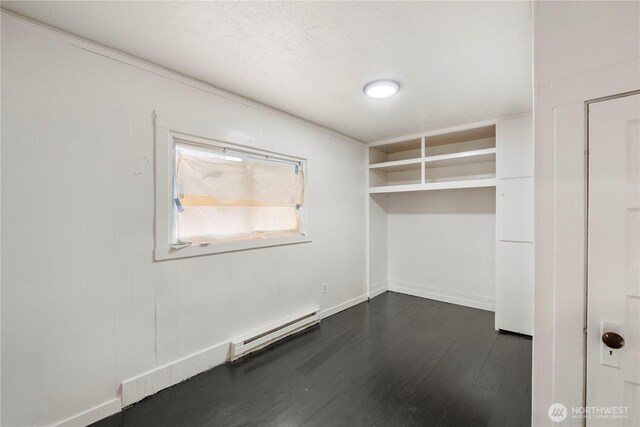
<point>166,253</point>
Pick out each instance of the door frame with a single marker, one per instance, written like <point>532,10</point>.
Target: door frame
<point>561,205</point>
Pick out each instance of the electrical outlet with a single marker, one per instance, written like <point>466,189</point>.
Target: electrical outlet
<point>324,288</point>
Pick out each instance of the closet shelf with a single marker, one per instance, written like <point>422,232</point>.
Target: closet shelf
<point>445,185</point>
<point>462,157</point>
<point>397,165</point>
<point>444,160</point>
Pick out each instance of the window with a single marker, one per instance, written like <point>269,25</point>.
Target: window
<point>222,195</point>
<point>214,197</point>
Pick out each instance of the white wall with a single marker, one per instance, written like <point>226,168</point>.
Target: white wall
<point>441,245</point>
<point>582,50</point>
<point>84,307</point>
<point>377,244</point>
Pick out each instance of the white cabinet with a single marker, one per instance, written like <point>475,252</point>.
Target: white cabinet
<point>515,157</point>
<point>514,225</point>
<point>514,202</point>
<point>514,287</point>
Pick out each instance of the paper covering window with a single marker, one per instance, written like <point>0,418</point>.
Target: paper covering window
<point>221,196</point>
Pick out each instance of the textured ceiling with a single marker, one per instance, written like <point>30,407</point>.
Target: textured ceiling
<point>457,62</point>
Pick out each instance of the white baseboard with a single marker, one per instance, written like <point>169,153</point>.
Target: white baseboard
<point>378,288</point>
<point>445,295</point>
<point>338,308</point>
<point>92,415</point>
<point>151,382</point>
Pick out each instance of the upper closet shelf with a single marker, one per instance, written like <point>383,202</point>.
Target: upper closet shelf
<point>397,165</point>
<point>445,185</point>
<point>462,157</point>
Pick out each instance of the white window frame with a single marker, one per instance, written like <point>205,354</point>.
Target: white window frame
<point>165,248</point>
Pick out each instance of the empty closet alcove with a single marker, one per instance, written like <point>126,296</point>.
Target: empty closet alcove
<point>450,218</point>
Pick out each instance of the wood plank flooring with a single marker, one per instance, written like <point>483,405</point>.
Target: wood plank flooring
<point>397,360</point>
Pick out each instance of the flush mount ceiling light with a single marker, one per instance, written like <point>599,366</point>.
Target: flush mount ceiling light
<point>381,88</point>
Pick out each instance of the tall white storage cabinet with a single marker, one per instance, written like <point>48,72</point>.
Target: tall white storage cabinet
<point>514,225</point>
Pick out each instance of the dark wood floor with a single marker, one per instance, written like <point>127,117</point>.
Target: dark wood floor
<point>397,360</point>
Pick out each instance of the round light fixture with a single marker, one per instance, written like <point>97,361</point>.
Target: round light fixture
<point>381,88</point>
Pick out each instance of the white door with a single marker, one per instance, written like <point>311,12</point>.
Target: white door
<point>613,374</point>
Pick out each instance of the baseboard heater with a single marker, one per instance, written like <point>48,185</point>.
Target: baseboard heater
<point>257,340</point>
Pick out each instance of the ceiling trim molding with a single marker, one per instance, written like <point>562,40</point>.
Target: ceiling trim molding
<point>116,55</point>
